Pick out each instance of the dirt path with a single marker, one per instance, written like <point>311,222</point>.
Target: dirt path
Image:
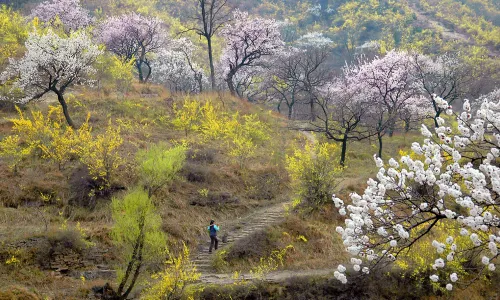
<point>273,277</point>
<point>241,229</point>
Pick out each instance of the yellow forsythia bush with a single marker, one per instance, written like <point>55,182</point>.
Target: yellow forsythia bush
<point>172,282</point>
<point>313,172</point>
<point>241,135</point>
<point>48,137</point>
<point>100,153</point>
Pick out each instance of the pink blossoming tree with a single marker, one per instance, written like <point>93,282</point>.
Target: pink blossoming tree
<point>133,36</point>
<point>390,84</point>
<point>248,41</point>
<point>69,12</point>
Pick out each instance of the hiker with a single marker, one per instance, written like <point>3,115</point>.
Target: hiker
<point>212,229</point>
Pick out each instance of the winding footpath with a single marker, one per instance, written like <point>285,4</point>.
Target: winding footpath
<point>236,230</point>
<point>241,229</point>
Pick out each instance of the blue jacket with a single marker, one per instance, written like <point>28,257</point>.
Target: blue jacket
<point>213,229</point>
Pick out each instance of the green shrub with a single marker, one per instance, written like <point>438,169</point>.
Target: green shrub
<point>137,233</point>
<point>159,165</point>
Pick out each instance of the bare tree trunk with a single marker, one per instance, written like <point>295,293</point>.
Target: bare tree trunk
<point>135,259</point>
<point>60,98</point>
<point>211,60</point>
<point>230,84</point>
<point>344,150</point>
<point>138,65</point>
<point>149,71</point>
<point>438,113</point>
<point>379,136</point>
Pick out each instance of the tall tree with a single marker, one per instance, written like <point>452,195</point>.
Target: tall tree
<point>390,83</point>
<point>281,84</point>
<point>176,67</point>
<point>210,16</point>
<point>137,232</point>
<point>133,36</point>
<point>342,114</point>
<point>248,41</point>
<point>298,74</point>
<point>52,64</point>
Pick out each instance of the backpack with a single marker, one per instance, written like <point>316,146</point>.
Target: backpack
<point>213,232</point>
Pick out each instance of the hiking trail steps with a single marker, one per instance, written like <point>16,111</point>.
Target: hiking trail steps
<point>237,230</point>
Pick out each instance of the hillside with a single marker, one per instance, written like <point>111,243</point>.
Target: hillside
<point>47,203</point>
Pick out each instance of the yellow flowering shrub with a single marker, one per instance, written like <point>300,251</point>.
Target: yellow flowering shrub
<point>100,153</point>
<point>243,135</point>
<point>122,71</point>
<point>213,122</point>
<point>271,262</point>
<point>171,283</point>
<point>423,255</point>
<point>48,137</point>
<point>12,152</point>
<point>187,116</point>
<point>313,172</point>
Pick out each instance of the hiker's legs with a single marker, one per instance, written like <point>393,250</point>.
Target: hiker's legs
<point>216,242</point>
<point>212,241</point>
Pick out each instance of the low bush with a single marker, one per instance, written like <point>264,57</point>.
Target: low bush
<point>267,183</point>
<point>17,293</point>
<point>375,286</point>
<point>258,244</point>
<point>59,242</point>
<point>313,173</point>
<point>204,155</point>
<point>197,173</point>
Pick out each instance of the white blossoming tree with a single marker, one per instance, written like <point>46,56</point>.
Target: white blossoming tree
<point>452,178</point>
<point>52,64</point>
<point>175,67</point>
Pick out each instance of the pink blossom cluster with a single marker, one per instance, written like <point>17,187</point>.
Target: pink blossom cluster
<point>70,12</point>
<point>248,41</point>
<point>131,34</point>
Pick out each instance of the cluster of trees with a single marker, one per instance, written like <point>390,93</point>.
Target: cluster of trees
<point>367,98</point>
<point>63,50</point>
<point>450,178</point>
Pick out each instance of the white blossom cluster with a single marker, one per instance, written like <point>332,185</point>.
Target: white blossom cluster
<point>53,63</point>
<point>313,39</point>
<point>456,177</point>
<point>175,67</point>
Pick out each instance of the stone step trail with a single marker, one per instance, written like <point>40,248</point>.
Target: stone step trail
<point>236,230</point>
<point>273,277</point>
